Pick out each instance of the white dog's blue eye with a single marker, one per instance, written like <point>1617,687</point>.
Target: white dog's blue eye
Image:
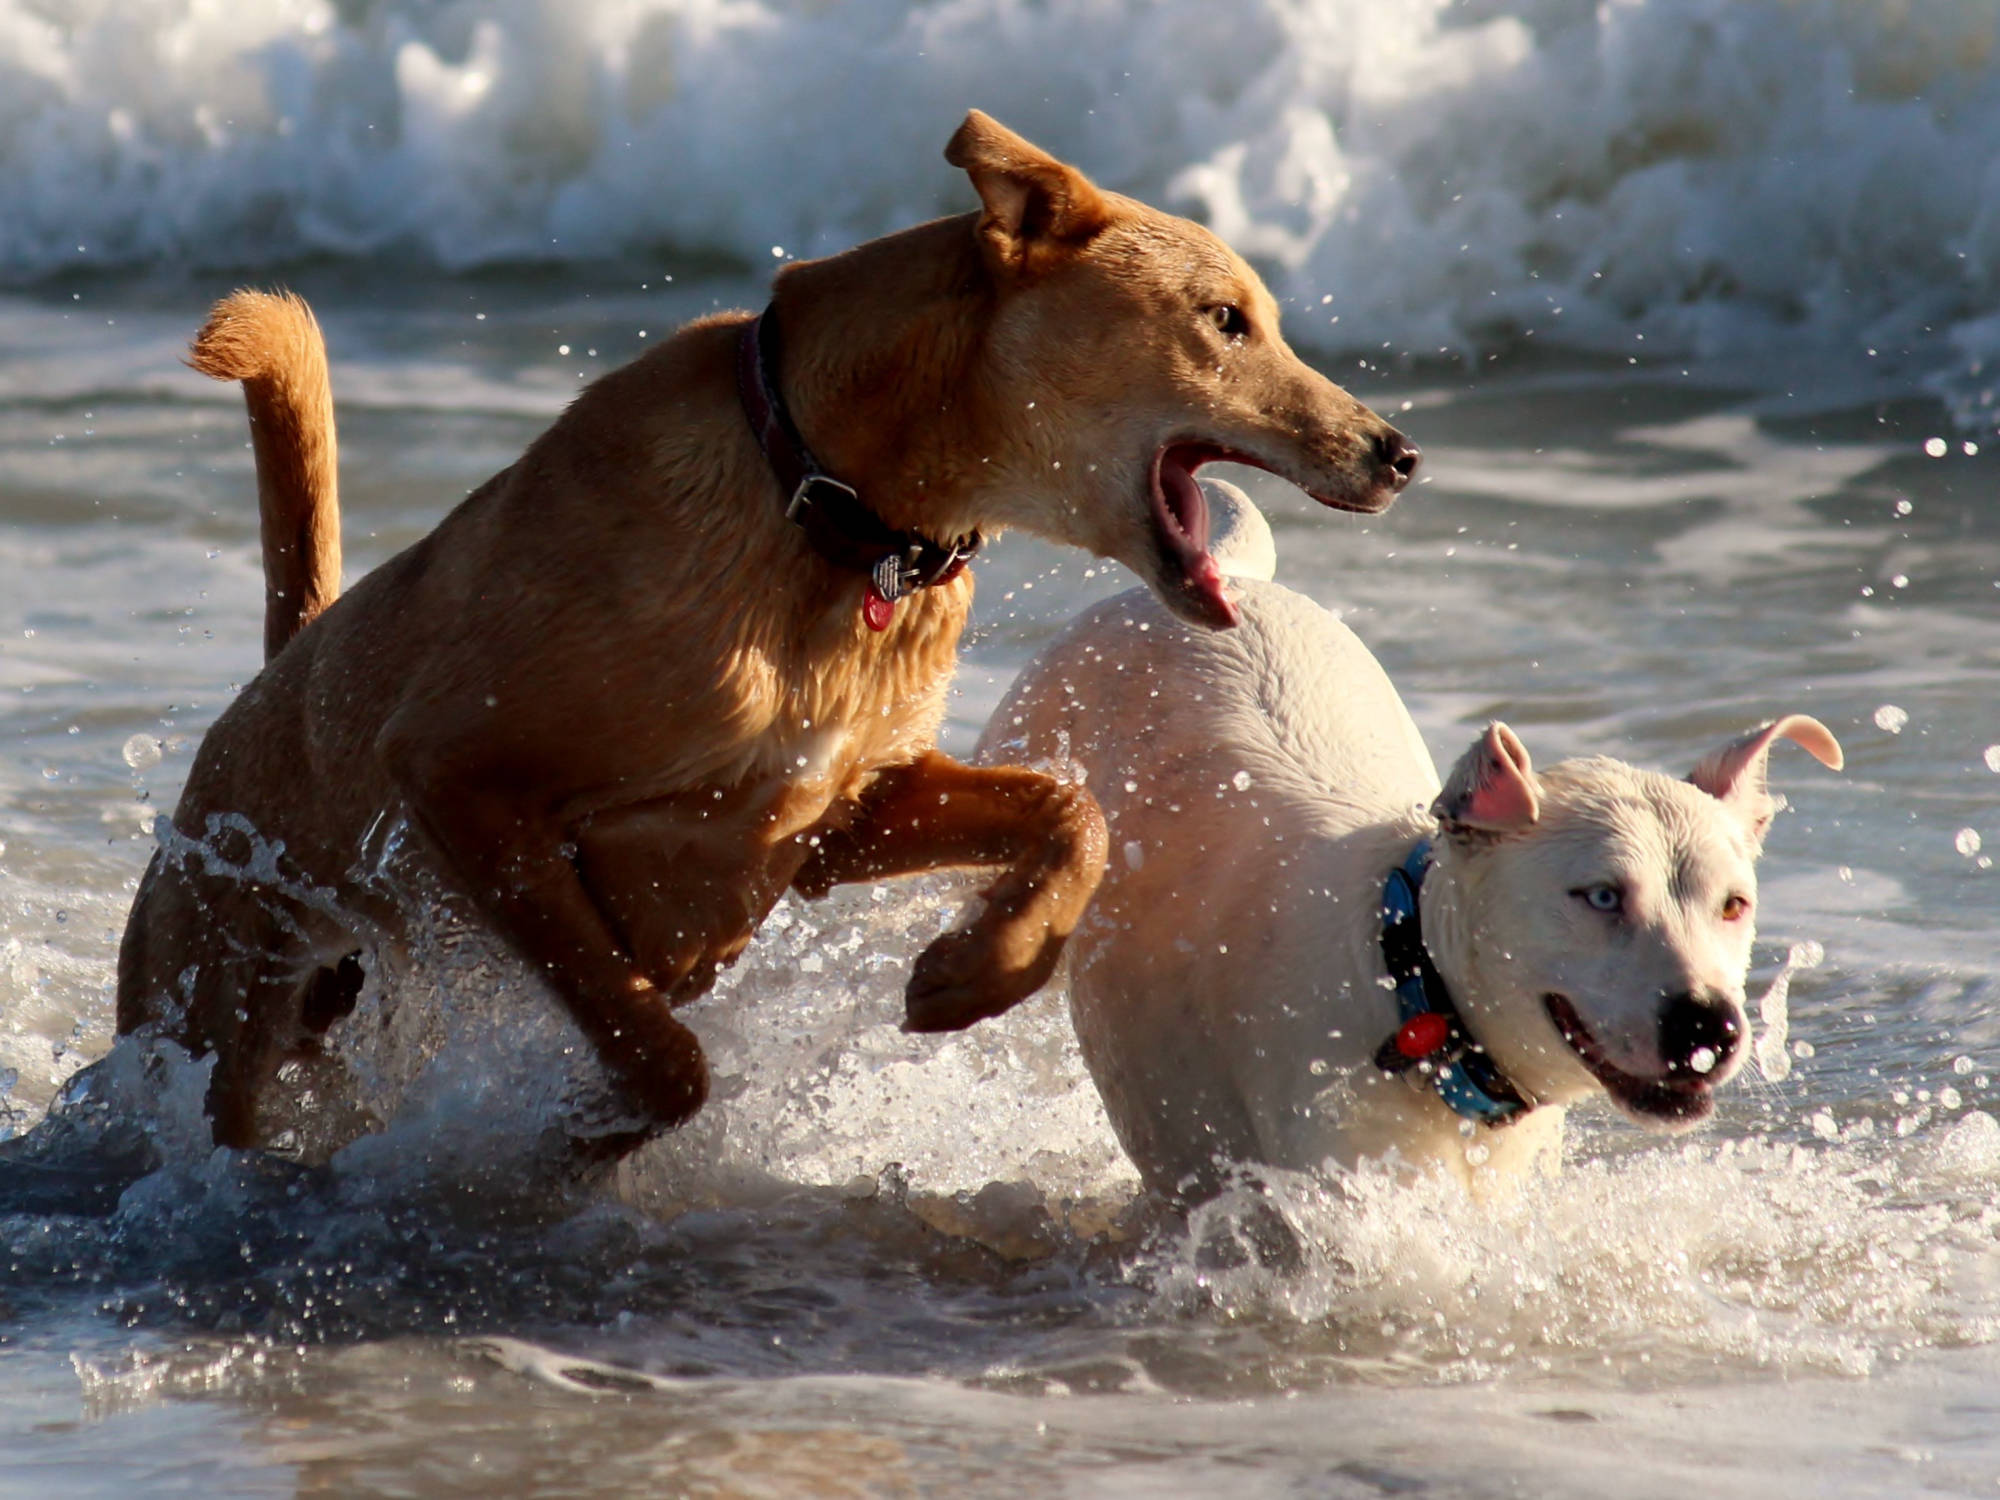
<point>1602,897</point>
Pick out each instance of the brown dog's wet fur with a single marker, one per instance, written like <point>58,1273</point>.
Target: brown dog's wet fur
<point>623,706</point>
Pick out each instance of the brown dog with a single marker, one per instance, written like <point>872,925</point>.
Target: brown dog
<point>623,702</point>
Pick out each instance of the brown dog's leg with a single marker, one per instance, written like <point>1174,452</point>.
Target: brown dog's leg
<point>514,866</point>
<point>937,812</point>
<point>239,997</point>
<point>684,880</point>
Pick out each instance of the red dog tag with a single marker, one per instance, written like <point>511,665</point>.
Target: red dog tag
<point>876,610</point>
<point>1420,1036</point>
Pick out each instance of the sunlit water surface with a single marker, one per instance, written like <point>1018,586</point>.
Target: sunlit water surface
<point>882,1265</point>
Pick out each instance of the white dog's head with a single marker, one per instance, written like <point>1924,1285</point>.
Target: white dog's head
<point>1601,916</point>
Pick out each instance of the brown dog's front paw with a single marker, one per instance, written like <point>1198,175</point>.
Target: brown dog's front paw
<point>965,977</point>
<point>659,1067</point>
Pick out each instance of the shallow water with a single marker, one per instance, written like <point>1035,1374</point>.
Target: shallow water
<point>1764,239</point>
<point>882,1265</point>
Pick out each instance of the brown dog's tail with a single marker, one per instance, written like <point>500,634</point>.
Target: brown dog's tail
<point>271,343</point>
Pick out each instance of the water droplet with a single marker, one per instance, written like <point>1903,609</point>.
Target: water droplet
<point>1948,1097</point>
<point>1241,781</point>
<point>1823,1126</point>
<point>141,751</point>
<point>1961,1065</point>
<point>1993,759</point>
<point>1891,718</point>
<point>1904,507</point>
<point>1936,447</point>
<point>562,348</point>
<point>1967,842</point>
<point>1702,1059</point>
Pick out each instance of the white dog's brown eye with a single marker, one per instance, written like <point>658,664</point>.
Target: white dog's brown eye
<point>1605,898</point>
<point>1735,908</point>
<point>1228,320</point>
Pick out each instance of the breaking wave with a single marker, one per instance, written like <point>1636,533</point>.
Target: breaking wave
<point>1702,179</point>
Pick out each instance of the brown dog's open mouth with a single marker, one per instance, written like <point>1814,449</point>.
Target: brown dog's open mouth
<point>1663,1101</point>
<point>1180,522</point>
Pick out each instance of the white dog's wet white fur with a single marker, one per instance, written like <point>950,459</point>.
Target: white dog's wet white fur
<point>1592,922</point>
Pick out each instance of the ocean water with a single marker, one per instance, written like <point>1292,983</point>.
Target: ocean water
<point>882,1265</point>
<point>1728,180</point>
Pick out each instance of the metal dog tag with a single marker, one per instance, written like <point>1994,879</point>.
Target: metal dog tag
<point>888,576</point>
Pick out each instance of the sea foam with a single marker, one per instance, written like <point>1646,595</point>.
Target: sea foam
<point>1696,178</point>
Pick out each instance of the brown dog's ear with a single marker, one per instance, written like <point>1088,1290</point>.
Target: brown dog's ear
<point>1492,788</point>
<point>1735,773</point>
<point>1034,203</point>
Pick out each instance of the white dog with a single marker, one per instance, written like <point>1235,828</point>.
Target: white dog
<point>1305,950</point>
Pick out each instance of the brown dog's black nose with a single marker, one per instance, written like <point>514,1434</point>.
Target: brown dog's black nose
<point>1698,1036</point>
<point>1399,455</point>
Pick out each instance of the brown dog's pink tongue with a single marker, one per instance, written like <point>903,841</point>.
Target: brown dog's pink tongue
<point>1181,513</point>
<point>1204,580</point>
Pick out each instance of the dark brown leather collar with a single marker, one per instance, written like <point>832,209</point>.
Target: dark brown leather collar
<point>836,522</point>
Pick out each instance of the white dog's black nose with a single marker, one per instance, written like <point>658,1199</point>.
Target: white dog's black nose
<point>1698,1036</point>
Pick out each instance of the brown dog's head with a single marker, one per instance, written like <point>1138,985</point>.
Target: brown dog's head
<point>1126,348</point>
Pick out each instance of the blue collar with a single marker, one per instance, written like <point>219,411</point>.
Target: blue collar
<point>1432,1036</point>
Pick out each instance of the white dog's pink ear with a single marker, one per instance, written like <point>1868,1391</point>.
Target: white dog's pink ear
<point>1034,204</point>
<point>1492,788</point>
<point>1735,773</point>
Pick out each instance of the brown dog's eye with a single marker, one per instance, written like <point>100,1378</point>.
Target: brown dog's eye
<point>1734,908</point>
<point>1229,320</point>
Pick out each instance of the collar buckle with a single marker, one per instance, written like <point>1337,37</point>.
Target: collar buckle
<point>818,490</point>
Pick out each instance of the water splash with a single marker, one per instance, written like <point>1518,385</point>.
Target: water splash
<point>1746,1254</point>
<point>1774,1058</point>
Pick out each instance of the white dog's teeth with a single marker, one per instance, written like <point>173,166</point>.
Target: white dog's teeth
<point>1702,1059</point>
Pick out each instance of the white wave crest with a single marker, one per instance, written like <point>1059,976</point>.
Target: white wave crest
<point>1706,173</point>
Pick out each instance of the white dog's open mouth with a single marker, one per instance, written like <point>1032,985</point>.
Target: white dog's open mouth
<point>1678,1100</point>
<point>1180,520</point>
